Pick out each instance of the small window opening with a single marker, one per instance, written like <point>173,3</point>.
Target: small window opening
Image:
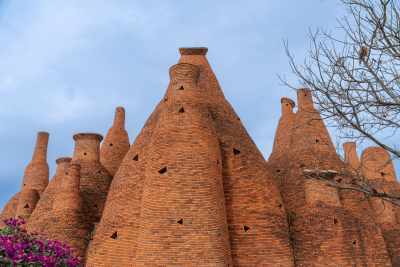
<point>339,180</point>
<point>95,206</point>
<point>111,144</point>
<point>181,88</point>
<point>162,170</point>
<point>236,151</point>
<point>114,235</point>
<point>136,157</point>
<point>181,110</point>
<point>278,170</point>
<point>26,206</point>
<point>335,221</point>
<point>165,99</point>
<point>317,141</point>
<point>217,161</point>
<point>287,104</point>
<point>84,153</point>
<point>180,221</point>
<point>66,173</point>
<point>246,228</point>
<point>383,174</point>
<point>24,184</point>
<point>280,205</point>
<point>354,242</point>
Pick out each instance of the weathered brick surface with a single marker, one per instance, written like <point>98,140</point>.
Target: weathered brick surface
<point>377,167</point>
<point>27,201</point>
<point>342,217</point>
<point>115,144</point>
<point>41,217</point>
<point>194,190</point>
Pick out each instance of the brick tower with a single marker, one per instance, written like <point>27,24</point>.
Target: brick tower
<point>71,226</point>
<point>377,167</point>
<point>36,178</point>
<point>94,178</point>
<point>41,217</point>
<point>36,174</point>
<point>324,230</point>
<point>193,189</point>
<point>116,143</point>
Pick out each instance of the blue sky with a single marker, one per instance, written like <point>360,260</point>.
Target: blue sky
<point>65,65</point>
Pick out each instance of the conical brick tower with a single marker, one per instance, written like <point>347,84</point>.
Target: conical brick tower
<point>27,201</point>
<point>377,167</point>
<point>36,174</point>
<point>116,143</point>
<point>324,230</point>
<point>95,179</point>
<point>41,217</point>
<point>71,227</point>
<point>192,180</point>
<point>9,209</point>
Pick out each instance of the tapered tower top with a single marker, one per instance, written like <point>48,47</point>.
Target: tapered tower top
<point>202,51</point>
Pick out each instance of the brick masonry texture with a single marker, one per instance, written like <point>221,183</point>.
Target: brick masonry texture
<point>194,190</point>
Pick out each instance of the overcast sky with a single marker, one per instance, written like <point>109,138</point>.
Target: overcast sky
<point>65,65</point>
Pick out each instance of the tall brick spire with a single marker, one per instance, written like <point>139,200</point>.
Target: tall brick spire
<point>42,215</point>
<point>36,174</point>
<point>116,144</point>
<point>193,180</point>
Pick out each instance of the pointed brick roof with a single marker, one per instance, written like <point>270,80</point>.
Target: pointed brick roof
<point>193,180</point>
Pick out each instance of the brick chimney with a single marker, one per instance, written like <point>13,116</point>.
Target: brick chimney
<point>350,155</point>
<point>116,144</point>
<point>287,105</point>
<point>95,179</point>
<point>304,99</point>
<point>87,147</point>
<point>36,174</point>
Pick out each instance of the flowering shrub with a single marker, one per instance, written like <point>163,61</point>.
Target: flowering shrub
<point>20,249</point>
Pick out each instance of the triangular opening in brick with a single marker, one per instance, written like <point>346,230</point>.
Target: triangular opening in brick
<point>114,235</point>
<point>26,206</point>
<point>181,110</point>
<point>136,157</point>
<point>236,151</point>
<point>180,221</point>
<point>246,228</point>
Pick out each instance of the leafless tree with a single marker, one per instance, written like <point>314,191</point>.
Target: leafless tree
<point>355,77</point>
